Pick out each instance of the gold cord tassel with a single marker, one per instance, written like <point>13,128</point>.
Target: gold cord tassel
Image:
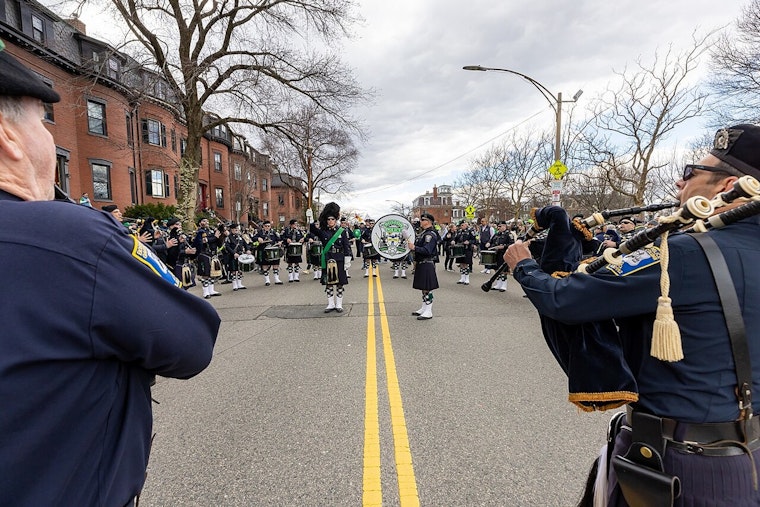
<point>666,337</point>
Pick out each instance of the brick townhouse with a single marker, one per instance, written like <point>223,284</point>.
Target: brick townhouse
<point>119,134</point>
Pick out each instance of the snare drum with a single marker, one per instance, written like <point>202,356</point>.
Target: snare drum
<point>369,250</point>
<point>458,250</point>
<point>488,258</point>
<point>272,254</point>
<point>295,249</point>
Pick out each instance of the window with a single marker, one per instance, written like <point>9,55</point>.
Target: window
<point>182,146</point>
<point>264,185</point>
<point>96,117</point>
<point>49,112</point>
<point>265,209</point>
<point>219,193</point>
<point>154,132</point>
<point>133,185</point>
<point>238,172</point>
<point>156,183</point>
<point>38,29</point>
<point>130,133</point>
<point>281,199</point>
<point>253,179</point>
<point>217,162</point>
<point>159,89</point>
<point>114,69</point>
<point>174,140</point>
<point>101,181</point>
<point>176,185</point>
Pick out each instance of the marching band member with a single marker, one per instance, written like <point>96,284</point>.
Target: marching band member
<point>235,246</point>
<point>499,242</point>
<point>465,236</point>
<point>689,334</point>
<point>425,248</point>
<point>206,244</point>
<point>370,261</point>
<point>314,259</point>
<point>293,234</point>
<point>336,249</point>
<point>266,237</point>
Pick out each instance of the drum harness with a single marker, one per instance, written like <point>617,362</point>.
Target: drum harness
<point>640,472</point>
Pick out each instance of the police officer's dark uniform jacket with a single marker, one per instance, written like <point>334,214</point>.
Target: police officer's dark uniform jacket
<point>78,370</point>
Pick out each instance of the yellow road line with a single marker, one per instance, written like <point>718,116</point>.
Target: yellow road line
<point>372,495</point>
<point>407,484</point>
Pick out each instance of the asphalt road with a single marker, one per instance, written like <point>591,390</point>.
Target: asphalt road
<point>278,418</point>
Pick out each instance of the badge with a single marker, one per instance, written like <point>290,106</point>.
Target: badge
<point>148,257</point>
<point>636,261</point>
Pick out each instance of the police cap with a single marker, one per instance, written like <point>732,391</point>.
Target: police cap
<point>18,81</point>
<point>109,208</point>
<point>739,146</point>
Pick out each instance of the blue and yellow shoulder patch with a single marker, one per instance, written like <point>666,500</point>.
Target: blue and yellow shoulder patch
<point>149,258</point>
<point>636,261</point>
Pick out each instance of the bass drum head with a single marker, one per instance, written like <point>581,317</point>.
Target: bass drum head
<point>390,235</point>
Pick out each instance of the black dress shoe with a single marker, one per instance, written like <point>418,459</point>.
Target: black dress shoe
<point>267,284</point>
<point>328,310</point>
<point>416,313</point>
<point>339,310</point>
<point>423,318</point>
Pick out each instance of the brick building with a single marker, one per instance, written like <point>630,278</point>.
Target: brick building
<point>441,203</point>
<point>119,134</point>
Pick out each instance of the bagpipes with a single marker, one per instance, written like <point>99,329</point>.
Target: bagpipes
<point>580,349</point>
<point>538,232</point>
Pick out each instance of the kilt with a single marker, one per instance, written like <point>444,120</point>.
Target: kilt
<point>705,480</point>
<point>204,265</point>
<point>467,259</point>
<point>425,277</point>
<point>293,259</point>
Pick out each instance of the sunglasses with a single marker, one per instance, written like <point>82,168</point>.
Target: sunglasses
<point>688,170</point>
<point>626,222</point>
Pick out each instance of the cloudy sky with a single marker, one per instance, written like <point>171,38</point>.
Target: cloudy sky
<point>431,117</point>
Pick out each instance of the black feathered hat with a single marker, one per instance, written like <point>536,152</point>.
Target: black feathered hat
<point>331,209</point>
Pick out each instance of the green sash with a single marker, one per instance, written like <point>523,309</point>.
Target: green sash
<point>329,244</point>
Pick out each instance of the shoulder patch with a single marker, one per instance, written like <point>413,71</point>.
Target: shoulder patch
<point>148,258</point>
<point>636,261</point>
<point>428,238</point>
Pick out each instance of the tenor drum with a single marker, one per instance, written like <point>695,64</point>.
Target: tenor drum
<point>369,251</point>
<point>315,249</point>
<point>295,249</point>
<point>272,253</point>
<point>488,258</point>
<point>458,250</point>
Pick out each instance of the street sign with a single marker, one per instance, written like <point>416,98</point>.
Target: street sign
<point>557,169</point>
<point>556,188</point>
<point>469,212</point>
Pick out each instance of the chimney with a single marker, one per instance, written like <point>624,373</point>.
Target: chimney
<point>77,24</point>
<point>435,192</point>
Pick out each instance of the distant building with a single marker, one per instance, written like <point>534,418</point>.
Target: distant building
<point>441,203</point>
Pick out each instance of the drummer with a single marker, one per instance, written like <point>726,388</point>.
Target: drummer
<point>292,237</point>
<point>315,251</point>
<point>499,243</point>
<point>267,238</point>
<point>369,252</point>
<point>465,236</point>
<point>235,246</point>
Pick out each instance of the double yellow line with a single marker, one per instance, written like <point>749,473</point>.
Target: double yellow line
<point>407,485</point>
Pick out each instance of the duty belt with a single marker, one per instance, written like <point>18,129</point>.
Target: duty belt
<point>425,261</point>
<point>718,439</point>
<point>335,250</point>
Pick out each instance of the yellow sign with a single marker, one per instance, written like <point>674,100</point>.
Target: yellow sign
<point>557,169</point>
<point>469,211</point>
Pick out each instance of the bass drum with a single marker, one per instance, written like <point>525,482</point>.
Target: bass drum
<point>390,235</point>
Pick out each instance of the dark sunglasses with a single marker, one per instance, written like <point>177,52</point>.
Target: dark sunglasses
<point>627,221</point>
<point>688,170</point>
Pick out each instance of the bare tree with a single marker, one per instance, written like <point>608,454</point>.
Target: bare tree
<point>245,61</point>
<point>314,148</point>
<point>631,120</point>
<point>736,67</point>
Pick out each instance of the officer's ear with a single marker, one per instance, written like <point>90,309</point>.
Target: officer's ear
<point>9,138</point>
<point>726,184</point>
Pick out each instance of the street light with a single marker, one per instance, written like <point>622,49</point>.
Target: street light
<point>556,103</point>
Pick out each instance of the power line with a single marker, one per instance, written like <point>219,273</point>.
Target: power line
<point>391,185</point>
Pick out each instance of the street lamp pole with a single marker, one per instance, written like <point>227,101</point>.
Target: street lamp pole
<point>555,103</point>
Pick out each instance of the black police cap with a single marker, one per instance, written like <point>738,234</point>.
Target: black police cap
<point>18,81</point>
<point>739,146</point>
<point>109,208</point>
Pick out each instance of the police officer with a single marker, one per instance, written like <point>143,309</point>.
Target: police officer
<point>692,420</point>
<point>425,248</point>
<point>78,357</point>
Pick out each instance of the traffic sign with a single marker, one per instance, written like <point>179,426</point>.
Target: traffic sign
<point>557,169</point>
<point>469,212</point>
